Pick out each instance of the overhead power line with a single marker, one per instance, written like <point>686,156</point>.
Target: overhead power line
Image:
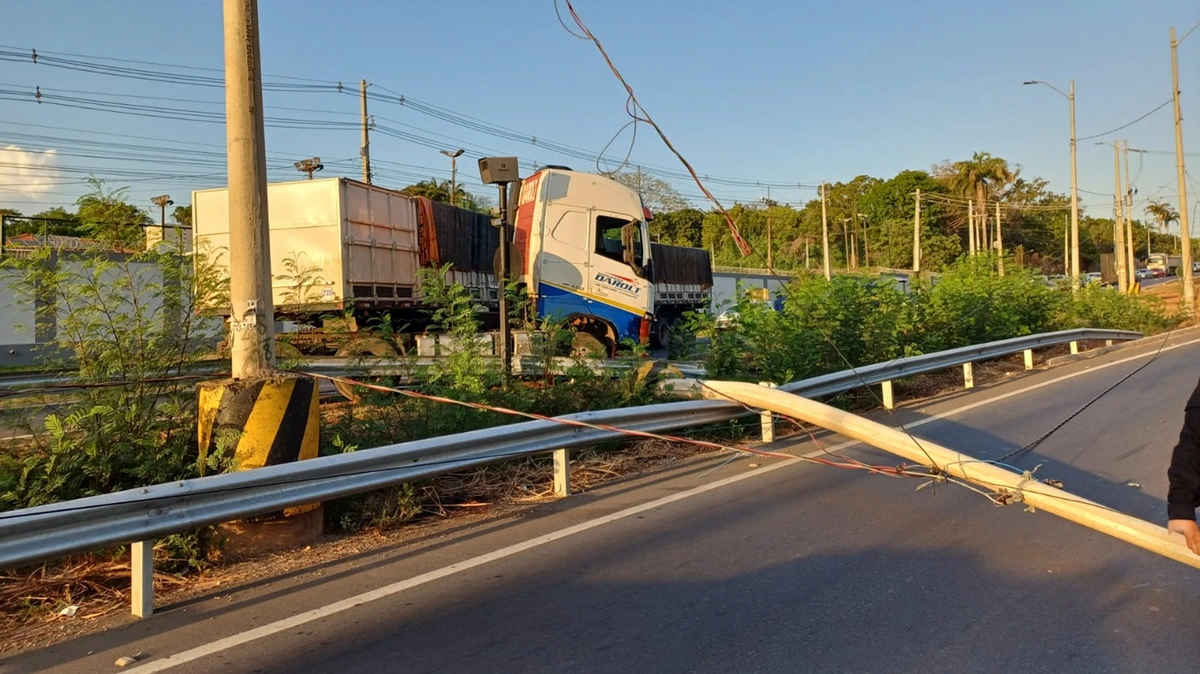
<point>162,72</point>
<point>1128,124</point>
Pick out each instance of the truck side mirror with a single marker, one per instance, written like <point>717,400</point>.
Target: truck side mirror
<point>628,252</point>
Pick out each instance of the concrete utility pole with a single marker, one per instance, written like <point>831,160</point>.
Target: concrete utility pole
<point>1130,260</point>
<point>309,166</point>
<point>917,234</point>
<point>1073,242</point>
<point>1185,235</point>
<point>971,227</point>
<point>1066,245</point>
<point>846,243</point>
<point>252,320</point>
<point>366,138</point>
<point>453,173</point>
<point>1119,221</point>
<point>999,239</point>
<point>866,223</point>
<point>770,234</point>
<point>825,235</point>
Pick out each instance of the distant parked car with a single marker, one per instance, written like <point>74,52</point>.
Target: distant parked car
<point>1142,274</point>
<point>1158,272</point>
<point>1093,277</point>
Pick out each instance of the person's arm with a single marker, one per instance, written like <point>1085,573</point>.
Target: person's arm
<point>1183,495</point>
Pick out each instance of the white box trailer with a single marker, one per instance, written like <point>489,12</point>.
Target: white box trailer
<point>353,244</point>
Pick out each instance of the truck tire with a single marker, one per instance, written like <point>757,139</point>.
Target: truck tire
<point>662,333</point>
<point>587,345</point>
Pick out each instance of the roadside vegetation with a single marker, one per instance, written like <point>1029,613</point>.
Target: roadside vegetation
<point>851,320</point>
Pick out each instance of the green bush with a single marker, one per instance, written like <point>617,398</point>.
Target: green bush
<point>851,321</point>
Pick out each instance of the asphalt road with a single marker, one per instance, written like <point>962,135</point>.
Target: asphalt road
<point>1151,282</point>
<point>783,567</point>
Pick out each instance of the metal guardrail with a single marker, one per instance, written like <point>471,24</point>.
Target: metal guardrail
<point>882,373</point>
<point>81,525</point>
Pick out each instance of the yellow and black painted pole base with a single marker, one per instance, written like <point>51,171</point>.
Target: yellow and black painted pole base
<point>263,422</point>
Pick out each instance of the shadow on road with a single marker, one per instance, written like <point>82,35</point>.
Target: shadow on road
<point>807,569</point>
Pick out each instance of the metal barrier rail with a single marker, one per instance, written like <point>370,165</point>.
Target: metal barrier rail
<point>141,515</point>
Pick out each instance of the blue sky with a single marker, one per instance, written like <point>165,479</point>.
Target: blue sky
<point>780,92</point>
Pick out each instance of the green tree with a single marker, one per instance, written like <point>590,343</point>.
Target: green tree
<point>1163,214</point>
<point>106,215</point>
<point>684,227</point>
<point>182,215</point>
<point>659,195</point>
<point>889,207</point>
<point>980,177</point>
<point>55,221</point>
<point>440,191</point>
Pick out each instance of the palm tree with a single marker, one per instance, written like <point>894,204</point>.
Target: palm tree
<point>977,177</point>
<point>1163,214</point>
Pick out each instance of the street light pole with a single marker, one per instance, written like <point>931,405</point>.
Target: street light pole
<point>453,173</point>
<point>162,201</point>
<point>1074,196</point>
<point>1074,238</point>
<point>1185,236</point>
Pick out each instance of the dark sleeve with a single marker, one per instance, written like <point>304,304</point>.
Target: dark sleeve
<point>1184,474</point>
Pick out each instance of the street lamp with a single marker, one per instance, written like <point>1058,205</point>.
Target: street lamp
<point>453,173</point>
<point>1074,183</point>
<point>309,166</point>
<point>162,201</point>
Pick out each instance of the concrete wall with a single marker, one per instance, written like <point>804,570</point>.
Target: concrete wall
<point>16,322</point>
<point>725,286</point>
<point>19,336</point>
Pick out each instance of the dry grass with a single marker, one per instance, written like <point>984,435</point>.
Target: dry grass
<point>1171,293</point>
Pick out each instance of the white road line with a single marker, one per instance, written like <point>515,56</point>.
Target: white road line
<point>278,626</point>
<point>1048,382</point>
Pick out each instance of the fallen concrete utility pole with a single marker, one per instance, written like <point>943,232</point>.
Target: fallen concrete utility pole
<point>1016,486</point>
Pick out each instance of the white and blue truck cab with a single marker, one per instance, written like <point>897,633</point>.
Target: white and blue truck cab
<point>581,248</point>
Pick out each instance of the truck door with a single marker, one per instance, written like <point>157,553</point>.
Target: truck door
<point>564,283</point>
<point>620,295</point>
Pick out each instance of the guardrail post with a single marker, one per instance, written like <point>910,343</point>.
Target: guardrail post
<point>1028,359</point>
<point>889,402</point>
<point>1074,348</point>
<point>968,375</point>
<point>767,418</point>
<point>141,558</point>
<point>562,472</point>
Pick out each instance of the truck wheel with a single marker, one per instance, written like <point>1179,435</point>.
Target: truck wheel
<point>662,333</point>
<point>587,345</point>
<point>370,346</point>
